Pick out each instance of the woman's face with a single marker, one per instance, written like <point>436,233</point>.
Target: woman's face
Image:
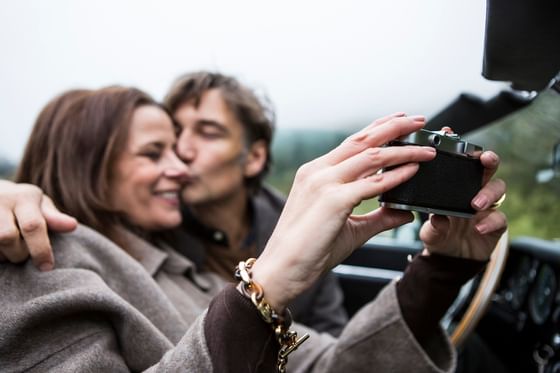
<point>148,176</point>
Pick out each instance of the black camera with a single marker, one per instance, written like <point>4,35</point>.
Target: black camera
<point>445,185</point>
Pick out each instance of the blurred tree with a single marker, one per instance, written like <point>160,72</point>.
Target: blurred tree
<point>524,141</point>
<point>7,168</point>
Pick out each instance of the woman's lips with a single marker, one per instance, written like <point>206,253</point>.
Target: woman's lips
<point>170,197</point>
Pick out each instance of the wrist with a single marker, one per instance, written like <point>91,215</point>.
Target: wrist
<point>280,321</point>
<point>271,283</point>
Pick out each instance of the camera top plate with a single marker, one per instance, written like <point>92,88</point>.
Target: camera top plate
<point>442,141</point>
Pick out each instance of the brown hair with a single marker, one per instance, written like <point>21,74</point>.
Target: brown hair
<point>256,115</point>
<point>72,149</point>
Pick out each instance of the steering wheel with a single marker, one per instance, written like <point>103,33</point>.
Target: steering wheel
<point>481,298</point>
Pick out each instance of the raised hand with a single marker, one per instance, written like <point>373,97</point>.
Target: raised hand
<point>473,238</point>
<point>316,230</point>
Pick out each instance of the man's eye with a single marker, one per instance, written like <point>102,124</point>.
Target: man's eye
<point>211,133</point>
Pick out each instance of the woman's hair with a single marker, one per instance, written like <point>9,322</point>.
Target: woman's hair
<point>72,149</point>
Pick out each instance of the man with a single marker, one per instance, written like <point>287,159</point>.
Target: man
<point>225,136</point>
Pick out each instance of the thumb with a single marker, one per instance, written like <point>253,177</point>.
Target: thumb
<point>379,220</point>
<point>56,220</point>
<point>433,231</point>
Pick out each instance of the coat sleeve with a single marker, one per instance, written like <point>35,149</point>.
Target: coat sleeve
<point>322,306</point>
<point>376,339</point>
<point>71,319</point>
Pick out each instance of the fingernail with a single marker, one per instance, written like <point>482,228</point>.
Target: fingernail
<point>481,228</point>
<point>418,118</point>
<point>399,114</point>
<point>45,267</point>
<point>494,157</point>
<point>447,129</point>
<point>480,202</point>
<point>429,148</point>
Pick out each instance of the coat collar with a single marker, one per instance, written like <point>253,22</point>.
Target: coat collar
<point>155,258</point>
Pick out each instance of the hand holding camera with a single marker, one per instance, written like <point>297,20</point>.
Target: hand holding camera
<point>443,186</point>
<point>454,186</point>
<point>473,238</point>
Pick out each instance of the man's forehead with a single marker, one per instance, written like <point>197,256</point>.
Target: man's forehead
<point>211,108</point>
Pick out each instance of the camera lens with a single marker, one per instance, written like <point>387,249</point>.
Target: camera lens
<point>435,140</point>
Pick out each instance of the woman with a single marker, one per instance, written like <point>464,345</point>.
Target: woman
<point>99,300</point>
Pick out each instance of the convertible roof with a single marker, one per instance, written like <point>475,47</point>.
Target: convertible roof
<point>522,42</point>
<point>522,46</point>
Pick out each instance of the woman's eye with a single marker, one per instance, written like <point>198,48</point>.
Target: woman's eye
<point>154,156</point>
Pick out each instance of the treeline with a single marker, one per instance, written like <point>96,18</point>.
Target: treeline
<point>292,148</point>
<point>7,169</point>
<point>524,141</point>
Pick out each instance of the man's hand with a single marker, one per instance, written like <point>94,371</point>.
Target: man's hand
<point>473,238</point>
<point>25,215</point>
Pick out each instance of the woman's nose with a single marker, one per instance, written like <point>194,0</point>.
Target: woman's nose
<point>176,168</point>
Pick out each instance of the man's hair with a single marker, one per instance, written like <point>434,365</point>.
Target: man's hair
<point>255,114</point>
<point>72,150</point>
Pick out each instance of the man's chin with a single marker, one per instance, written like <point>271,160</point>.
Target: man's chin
<point>190,198</point>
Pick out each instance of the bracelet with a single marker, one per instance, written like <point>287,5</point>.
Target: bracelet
<point>287,339</point>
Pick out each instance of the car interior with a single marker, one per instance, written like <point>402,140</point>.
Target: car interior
<point>514,306</point>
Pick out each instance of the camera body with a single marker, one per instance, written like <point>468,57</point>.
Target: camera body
<point>445,185</point>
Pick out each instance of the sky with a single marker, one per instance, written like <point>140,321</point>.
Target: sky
<point>324,64</point>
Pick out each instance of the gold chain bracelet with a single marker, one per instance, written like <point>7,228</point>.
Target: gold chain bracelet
<point>287,339</point>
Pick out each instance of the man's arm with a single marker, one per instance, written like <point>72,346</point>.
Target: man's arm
<point>26,215</point>
<point>99,310</point>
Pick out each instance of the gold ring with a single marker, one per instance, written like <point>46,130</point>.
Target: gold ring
<point>498,203</point>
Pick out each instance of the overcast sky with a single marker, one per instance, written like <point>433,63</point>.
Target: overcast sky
<point>323,63</point>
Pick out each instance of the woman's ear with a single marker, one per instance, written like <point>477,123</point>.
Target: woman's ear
<point>255,159</point>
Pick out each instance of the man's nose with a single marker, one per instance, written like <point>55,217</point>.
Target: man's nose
<point>185,149</point>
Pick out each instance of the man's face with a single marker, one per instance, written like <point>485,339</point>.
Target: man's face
<point>212,144</point>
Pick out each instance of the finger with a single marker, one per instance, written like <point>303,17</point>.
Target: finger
<point>371,160</point>
<point>375,136</point>
<point>11,245</point>
<point>374,185</point>
<point>379,220</point>
<point>440,223</point>
<point>435,229</point>
<point>15,252</point>
<point>490,193</point>
<point>490,161</point>
<point>33,228</point>
<point>447,129</point>
<point>2,257</point>
<point>495,222</point>
<point>394,128</point>
<point>56,220</point>
<point>382,120</point>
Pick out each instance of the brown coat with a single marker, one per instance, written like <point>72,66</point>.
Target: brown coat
<point>100,310</point>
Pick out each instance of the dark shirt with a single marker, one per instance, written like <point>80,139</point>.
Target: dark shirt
<point>320,307</point>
